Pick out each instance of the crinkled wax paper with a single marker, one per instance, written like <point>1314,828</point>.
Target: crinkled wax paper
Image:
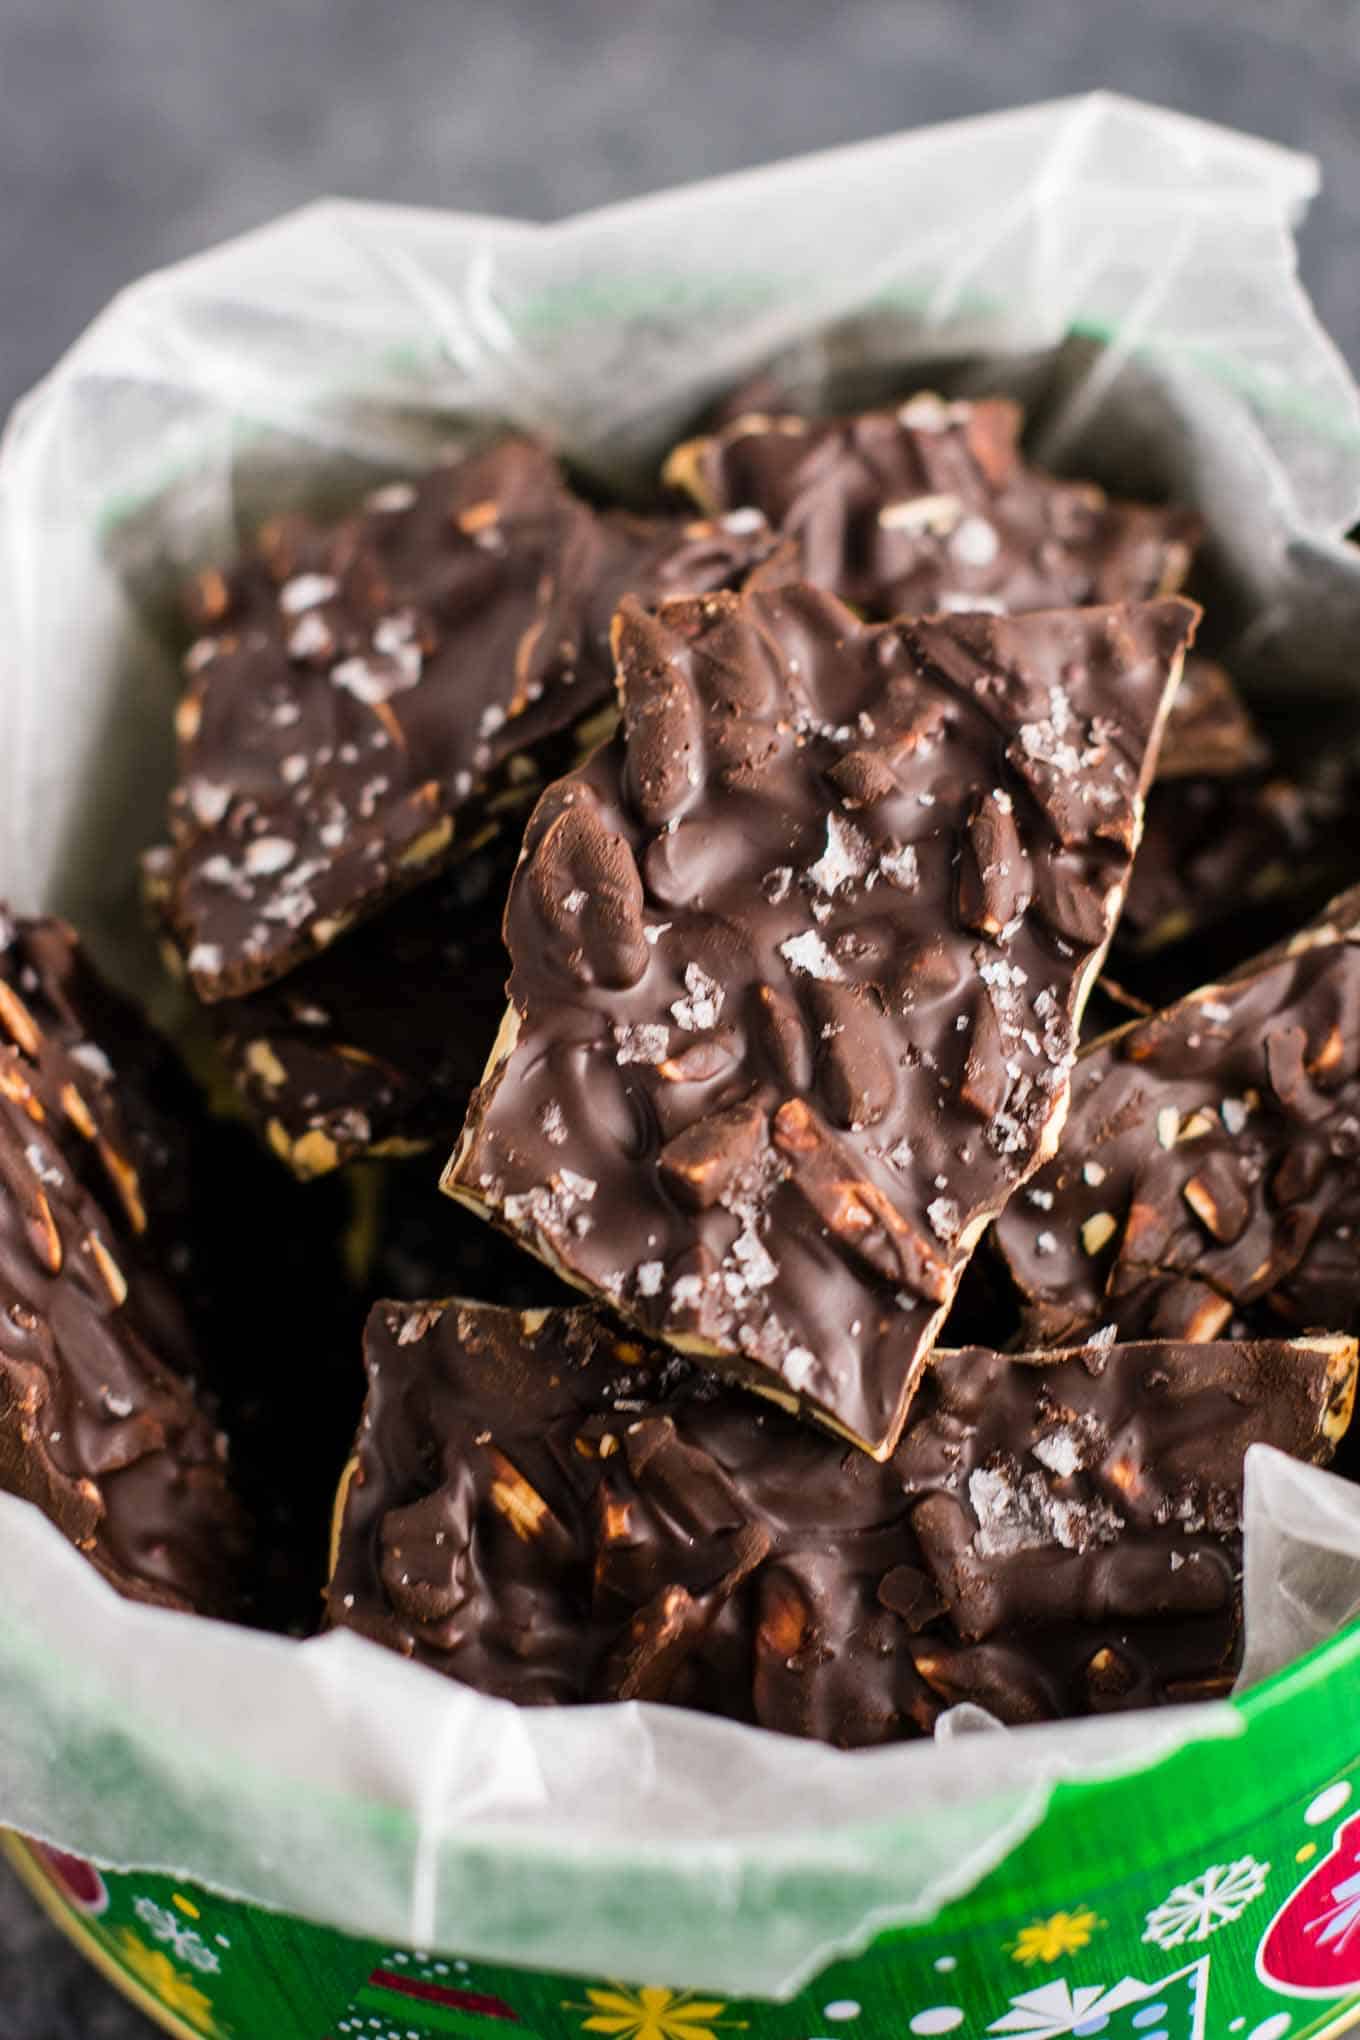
<point>1130,272</point>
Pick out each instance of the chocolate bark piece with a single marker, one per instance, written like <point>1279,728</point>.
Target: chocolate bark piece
<point>1227,849</point>
<point>235,1268</point>
<point>550,1512</point>
<point>1210,732</point>
<point>1208,1176</point>
<point>99,1421</point>
<point>1233,851</point>
<point>404,1241</point>
<point>354,1053</point>
<point>929,506</point>
<point>357,695</point>
<point>797,965</point>
<point>658,558</point>
<point>134,1118</point>
<point>1083,1508</point>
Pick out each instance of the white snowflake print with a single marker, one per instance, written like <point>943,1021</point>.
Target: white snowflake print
<point>162,1925</point>
<point>1194,1911</point>
<point>1056,2008</point>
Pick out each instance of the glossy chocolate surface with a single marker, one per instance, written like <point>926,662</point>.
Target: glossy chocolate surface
<point>99,1421</point>
<point>358,695</point>
<point>1207,1176</point>
<point>553,1513</point>
<point>797,966</point>
<point>375,1046</point>
<point>930,506</point>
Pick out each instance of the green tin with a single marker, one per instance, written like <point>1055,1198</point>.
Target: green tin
<point>1216,1894</point>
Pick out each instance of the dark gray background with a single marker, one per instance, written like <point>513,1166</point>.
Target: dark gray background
<point>135,131</point>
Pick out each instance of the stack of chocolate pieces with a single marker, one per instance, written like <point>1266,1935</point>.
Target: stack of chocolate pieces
<point>547,1510</point>
<point>161,1292</point>
<point>801,819</point>
<point>100,1354</point>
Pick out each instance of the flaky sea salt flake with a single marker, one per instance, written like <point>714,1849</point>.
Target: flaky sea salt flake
<point>809,955</point>
<point>900,867</point>
<point>943,1214</point>
<point>307,591</point>
<point>846,857</point>
<point>641,1042</point>
<point>702,1003</point>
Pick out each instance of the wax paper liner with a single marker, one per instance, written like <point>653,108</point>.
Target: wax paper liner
<point>1132,273</point>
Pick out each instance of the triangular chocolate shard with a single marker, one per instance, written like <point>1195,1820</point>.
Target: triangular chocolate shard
<point>783,1039</point>
<point>364,701</point>
<point>1207,1173</point>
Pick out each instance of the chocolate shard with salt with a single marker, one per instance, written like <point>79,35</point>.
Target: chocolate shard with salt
<point>797,965</point>
<point>930,506</point>
<point>550,1512</point>
<point>234,1267</point>
<point>100,1422</point>
<point>358,697</point>
<point>352,1054</point>
<point>1208,1177</point>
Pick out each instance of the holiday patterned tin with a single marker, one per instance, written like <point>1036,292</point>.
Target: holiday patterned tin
<point>1211,1896</point>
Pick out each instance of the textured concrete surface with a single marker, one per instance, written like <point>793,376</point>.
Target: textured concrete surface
<point>132,134</point>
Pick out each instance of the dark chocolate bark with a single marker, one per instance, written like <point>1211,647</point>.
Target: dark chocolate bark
<point>357,695</point>
<point>798,961</point>
<point>1210,732</point>
<point>1208,1173</point>
<point>145,1149</point>
<point>99,1422</point>
<point>235,1268</point>
<point>929,506</point>
<point>405,1241</point>
<point>1227,852</point>
<point>375,1046</point>
<point>551,1513</point>
<point>1233,850</point>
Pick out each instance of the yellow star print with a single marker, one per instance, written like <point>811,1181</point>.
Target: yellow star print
<point>652,2013</point>
<point>1063,1933</point>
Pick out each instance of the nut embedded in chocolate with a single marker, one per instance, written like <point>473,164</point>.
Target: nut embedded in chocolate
<point>354,1052</point>
<point>1207,1175</point>
<point>98,1419</point>
<point>549,1512</point>
<point>929,506</point>
<point>356,694</point>
<point>797,966</point>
